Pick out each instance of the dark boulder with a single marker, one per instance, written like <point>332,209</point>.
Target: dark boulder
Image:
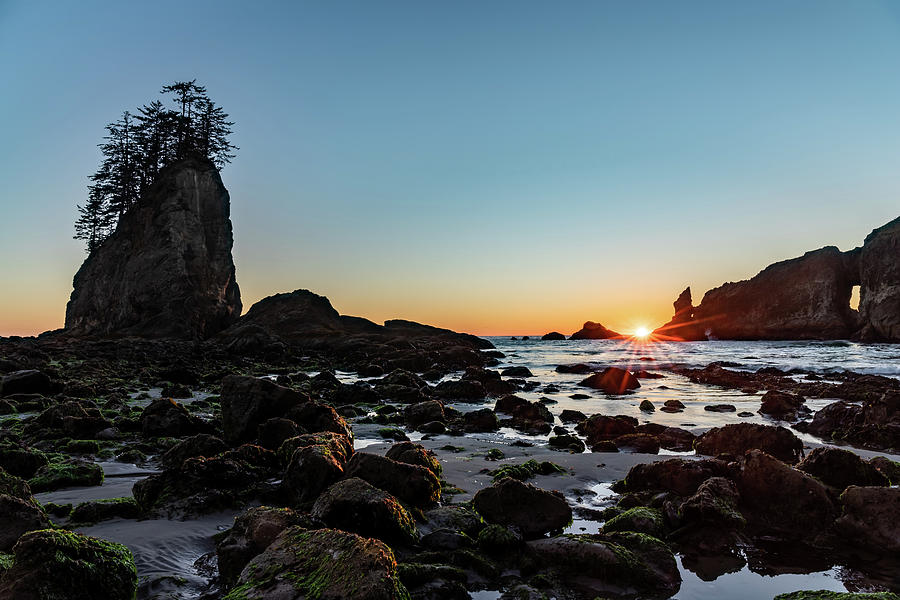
<point>597,428</point>
<point>424,412</point>
<point>612,380</point>
<point>253,531</point>
<point>480,421</point>
<point>273,432</point>
<point>52,563</point>
<point>248,401</point>
<point>871,518</point>
<point>780,404</point>
<point>415,454</point>
<point>578,369</point>
<point>617,564</point>
<point>316,417</point>
<point>412,484</point>
<point>777,499</point>
<point>676,475</point>
<point>356,506</point>
<point>24,382</point>
<point>311,470</point>
<point>166,418</point>
<point>201,444</point>
<point>841,468</point>
<point>324,563</point>
<point>553,336</point>
<point>337,443</point>
<point>735,439</point>
<point>529,509</point>
<point>177,239</point>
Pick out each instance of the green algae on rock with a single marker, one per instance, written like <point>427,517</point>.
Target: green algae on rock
<point>322,564</point>
<point>52,564</point>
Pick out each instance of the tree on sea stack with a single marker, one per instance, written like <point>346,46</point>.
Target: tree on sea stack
<point>137,147</point>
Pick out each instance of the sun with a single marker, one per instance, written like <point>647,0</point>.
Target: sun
<point>641,332</point>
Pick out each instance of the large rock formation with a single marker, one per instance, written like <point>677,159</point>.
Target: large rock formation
<point>802,298</point>
<point>594,331</point>
<point>167,270</point>
<point>304,320</point>
<point>682,327</point>
<point>879,273</point>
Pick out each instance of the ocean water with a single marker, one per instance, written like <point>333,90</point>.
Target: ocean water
<point>822,358</point>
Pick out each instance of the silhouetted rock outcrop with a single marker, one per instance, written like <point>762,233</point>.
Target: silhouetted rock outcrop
<point>879,273</point>
<point>307,321</point>
<point>804,298</point>
<point>682,327</point>
<point>594,331</point>
<point>167,270</point>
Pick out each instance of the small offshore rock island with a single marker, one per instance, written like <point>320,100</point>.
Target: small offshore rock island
<point>280,441</point>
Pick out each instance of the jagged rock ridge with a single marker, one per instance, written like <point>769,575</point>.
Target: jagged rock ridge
<point>804,298</point>
<point>167,270</point>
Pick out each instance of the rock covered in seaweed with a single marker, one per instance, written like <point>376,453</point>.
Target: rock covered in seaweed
<point>323,563</point>
<point>52,564</point>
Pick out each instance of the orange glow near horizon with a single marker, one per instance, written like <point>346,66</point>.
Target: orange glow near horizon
<point>641,332</point>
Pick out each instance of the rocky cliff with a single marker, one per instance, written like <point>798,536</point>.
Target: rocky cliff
<point>167,270</point>
<point>879,272</point>
<point>804,298</point>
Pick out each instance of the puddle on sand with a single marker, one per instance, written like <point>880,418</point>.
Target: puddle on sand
<point>747,585</point>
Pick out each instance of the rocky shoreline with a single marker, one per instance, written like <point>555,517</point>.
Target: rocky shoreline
<point>450,514</point>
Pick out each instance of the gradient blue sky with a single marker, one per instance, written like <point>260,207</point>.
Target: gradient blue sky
<point>496,167</point>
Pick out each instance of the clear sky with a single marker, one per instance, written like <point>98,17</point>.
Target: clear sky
<point>496,167</point>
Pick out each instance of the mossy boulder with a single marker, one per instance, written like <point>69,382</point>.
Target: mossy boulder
<point>52,564</point>
<point>67,473</point>
<point>325,564</point>
<point>413,484</point>
<point>21,462</point>
<point>527,470</point>
<point>529,509</point>
<point>357,506</point>
<point>415,454</point>
<point>252,533</point>
<point>339,444</point>
<point>311,470</point>
<point>630,564</point>
<point>202,444</point>
<point>18,516</point>
<point>641,519</point>
<point>166,418</point>
<point>497,539</point>
<point>108,508</point>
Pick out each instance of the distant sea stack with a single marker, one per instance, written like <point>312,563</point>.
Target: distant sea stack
<point>167,270</point>
<point>594,331</point>
<point>804,298</point>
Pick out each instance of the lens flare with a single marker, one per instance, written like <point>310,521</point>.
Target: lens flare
<point>641,332</point>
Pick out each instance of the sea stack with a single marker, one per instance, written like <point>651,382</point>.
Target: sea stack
<point>167,270</point>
